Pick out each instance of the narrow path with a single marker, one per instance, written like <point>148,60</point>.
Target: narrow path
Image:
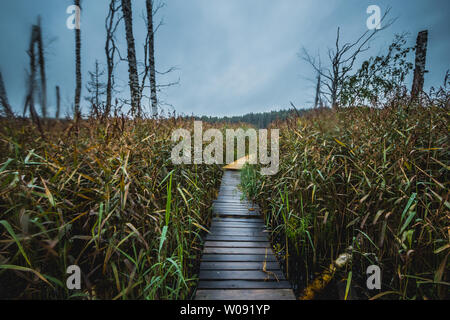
<point>238,262</point>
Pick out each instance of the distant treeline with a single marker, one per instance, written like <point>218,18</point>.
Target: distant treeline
<point>259,120</point>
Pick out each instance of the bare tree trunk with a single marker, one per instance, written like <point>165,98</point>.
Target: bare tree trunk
<point>97,86</point>
<point>419,71</point>
<point>131,54</point>
<point>77,67</point>
<point>336,69</point>
<point>31,81</point>
<point>316,100</point>
<point>4,99</point>
<point>334,95</point>
<point>151,57</point>
<point>58,102</point>
<point>43,92</point>
<point>110,50</point>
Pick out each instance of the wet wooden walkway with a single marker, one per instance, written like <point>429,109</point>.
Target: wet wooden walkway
<point>238,262</point>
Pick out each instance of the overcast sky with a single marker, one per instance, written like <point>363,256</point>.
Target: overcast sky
<point>232,56</point>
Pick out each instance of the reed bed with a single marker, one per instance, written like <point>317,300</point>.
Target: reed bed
<point>106,197</point>
<point>371,180</point>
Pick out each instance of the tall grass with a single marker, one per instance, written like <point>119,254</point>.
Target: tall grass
<point>373,179</point>
<point>105,197</point>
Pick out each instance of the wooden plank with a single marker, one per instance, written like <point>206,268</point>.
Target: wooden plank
<point>234,208</point>
<point>238,211</point>
<point>229,207</point>
<point>236,232</point>
<point>225,197</point>
<point>237,244</point>
<point>217,250</point>
<point>245,219</point>
<point>233,225</point>
<point>240,220</point>
<point>233,205</point>
<point>276,275</point>
<point>226,228</point>
<point>252,294</point>
<point>238,225</point>
<point>222,202</point>
<point>234,211</point>
<point>242,212</point>
<point>239,257</point>
<point>231,192</point>
<point>220,265</point>
<point>231,213</point>
<point>229,236</point>
<point>234,201</point>
<point>210,237</point>
<point>243,284</point>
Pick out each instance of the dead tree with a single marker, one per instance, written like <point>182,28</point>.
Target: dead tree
<point>341,60</point>
<point>77,67</point>
<point>111,24</point>
<point>96,89</point>
<point>318,99</point>
<point>58,102</point>
<point>29,101</point>
<point>4,99</point>
<point>151,57</point>
<point>132,62</point>
<point>43,89</point>
<point>419,71</point>
<point>36,43</point>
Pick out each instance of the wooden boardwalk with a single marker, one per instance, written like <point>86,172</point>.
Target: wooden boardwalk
<point>238,262</point>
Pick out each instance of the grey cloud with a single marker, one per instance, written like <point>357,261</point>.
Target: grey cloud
<point>234,56</point>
